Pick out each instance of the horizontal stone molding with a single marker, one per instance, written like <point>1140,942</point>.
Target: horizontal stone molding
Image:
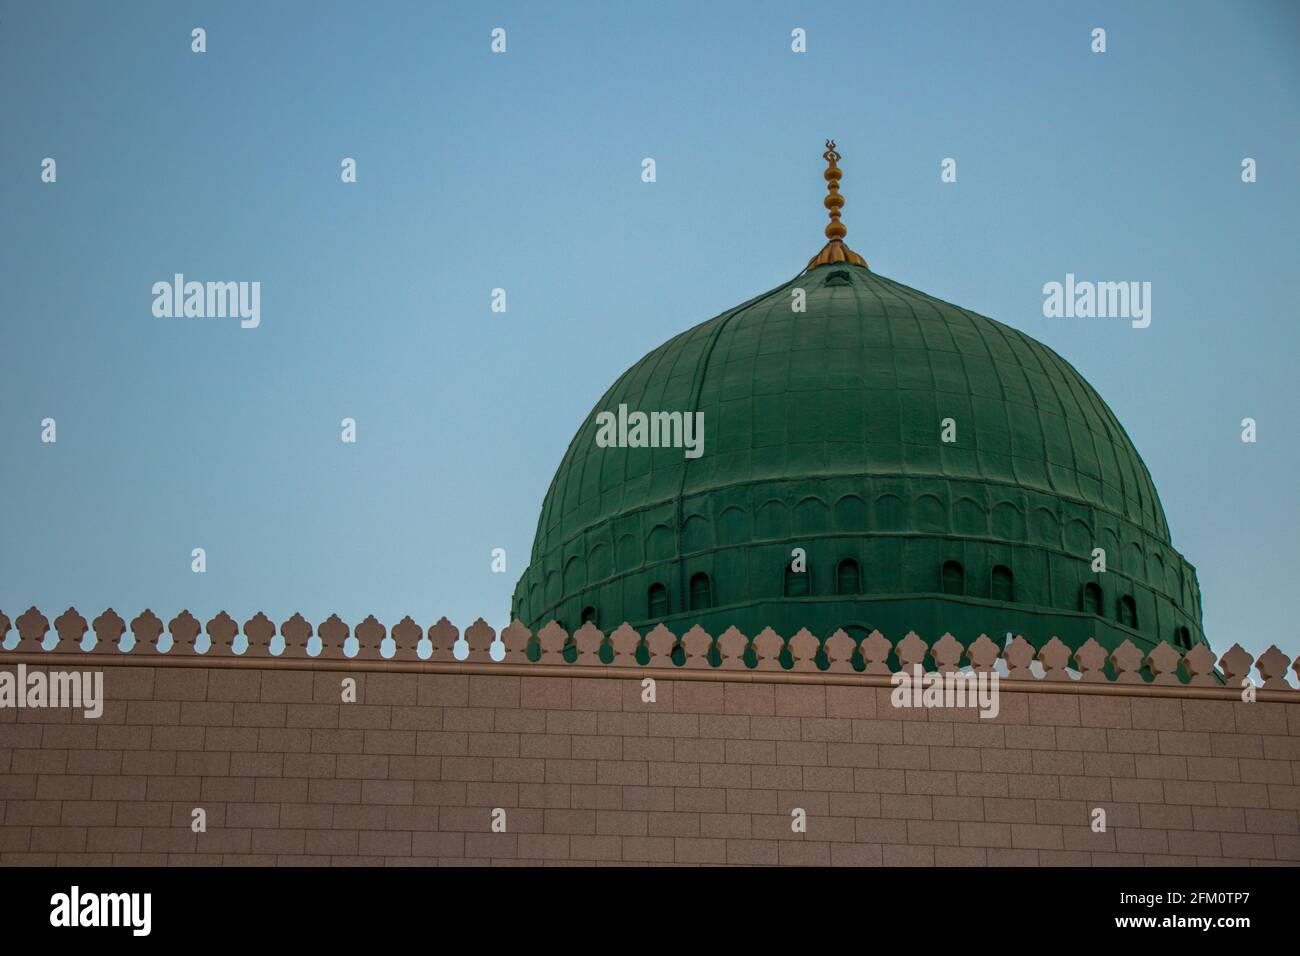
<point>1010,685</point>
<point>588,651</point>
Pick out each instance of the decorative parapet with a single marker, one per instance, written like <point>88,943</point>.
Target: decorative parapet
<point>590,650</point>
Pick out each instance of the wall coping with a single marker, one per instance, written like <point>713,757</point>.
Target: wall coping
<point>613,672</point>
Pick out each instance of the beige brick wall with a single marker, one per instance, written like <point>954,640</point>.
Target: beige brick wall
<point>589,774</point>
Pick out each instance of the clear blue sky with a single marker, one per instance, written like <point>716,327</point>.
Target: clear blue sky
<point>522,171</point>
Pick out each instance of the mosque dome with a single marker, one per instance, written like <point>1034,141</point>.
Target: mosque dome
<point>872,458</point>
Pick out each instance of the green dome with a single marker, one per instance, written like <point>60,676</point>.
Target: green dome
<point>823,431</point>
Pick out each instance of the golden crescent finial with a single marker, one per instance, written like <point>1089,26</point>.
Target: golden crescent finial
<point>835,250</point>
<point>833,201</point>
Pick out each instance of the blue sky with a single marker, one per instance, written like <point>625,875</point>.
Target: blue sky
<point>522,171</point>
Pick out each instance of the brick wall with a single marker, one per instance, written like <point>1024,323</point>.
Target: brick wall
<point>588,773</point>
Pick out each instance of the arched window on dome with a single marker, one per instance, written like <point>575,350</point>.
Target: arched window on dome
<point>1183,638</point>
<point>1002,587</point>
<point>848,577</point>
<point>658,601</point>
<point>588,614</point>
<point>1128,615</point>
<point>797,583</point>
<point>701,592</point>
<point>838,277</point>
<point>954,578</point>
<point>1090,601</point>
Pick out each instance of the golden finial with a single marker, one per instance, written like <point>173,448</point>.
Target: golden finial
<point>833,201</point>
<point>835,250</point>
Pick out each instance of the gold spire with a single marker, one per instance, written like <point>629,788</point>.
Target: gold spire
<point>835,250</point>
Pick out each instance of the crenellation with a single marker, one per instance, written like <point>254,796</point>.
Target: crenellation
<point>589,769</point>
<point>1161,665</point>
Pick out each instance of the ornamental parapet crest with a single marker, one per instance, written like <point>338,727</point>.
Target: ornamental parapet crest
<point>146,640</point>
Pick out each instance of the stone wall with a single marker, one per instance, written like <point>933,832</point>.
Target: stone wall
<point>587,772</point>
<point>553,737</point>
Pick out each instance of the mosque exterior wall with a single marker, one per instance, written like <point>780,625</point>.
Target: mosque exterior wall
<point>458,758</point>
